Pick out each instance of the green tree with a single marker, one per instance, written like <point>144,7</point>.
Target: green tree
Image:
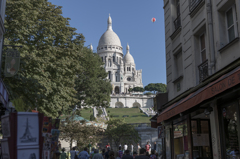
<point>19,105</point>
<point>130,89</point>
<point>156,87</point>
<point>93,89</point>
<point>119,131</point>
<point>50,55</point>
<point>72,130</point>
<point>138,89</point>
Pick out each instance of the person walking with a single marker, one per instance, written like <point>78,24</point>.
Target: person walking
<point>107,153</point>
<point>138,148</point>
<point>150,147</point>
<point>155,146</point>
<point>117,155</point>
<point>63,154</point>
<point>147,147</point>
<point>120,146</point>
<point>127,156</point>
<point>153,156</point>
<point>142,154</point>
<point>108,146</point>
<point>84,154</point>
<point>131,149</point>
<point>97,155</point>
<point>125,147</point>
<point>73,153</point>
<point>120,152</point>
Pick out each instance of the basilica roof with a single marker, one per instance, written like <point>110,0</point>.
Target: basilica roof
<point>128,57</point>
<point>109,37</point>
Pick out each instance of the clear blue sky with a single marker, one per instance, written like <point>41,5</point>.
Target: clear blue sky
<point>132,22</point>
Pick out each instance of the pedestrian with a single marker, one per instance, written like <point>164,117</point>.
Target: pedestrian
<point>147,147</point>
<point>134,155</point>
<point>97,155</point>
<point>73,153</point>
<point>117,155</point>
<point>95,151</point>
<point>142,154</point>
<point>147,154</point>
<point>103,153</point>
<point>138,148</point>
<point>155,146</point>
<point>120,152</point>
<point>111,155</point>
<point>90,147</point>
<point>107,153</point>
<point>150,147</point>
<point>120,146</point>
<point>92,152</point>
<point>84,154</point>
<point>125,147</point>
<point>131,149</point>
<point>63,154</point>
<point>153,156</point>
<point>127,156</point>
<point>107,146</point>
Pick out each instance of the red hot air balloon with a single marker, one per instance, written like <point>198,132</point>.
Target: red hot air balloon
<point>153,20</point>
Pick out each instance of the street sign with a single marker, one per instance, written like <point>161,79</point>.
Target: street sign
<point>12,62</point>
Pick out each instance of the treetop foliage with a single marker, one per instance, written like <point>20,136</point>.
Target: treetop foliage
<point>156,87</point>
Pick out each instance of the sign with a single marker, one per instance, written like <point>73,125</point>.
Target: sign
<point>12,62</point>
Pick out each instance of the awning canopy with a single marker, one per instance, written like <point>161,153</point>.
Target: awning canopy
<point>223,83</point>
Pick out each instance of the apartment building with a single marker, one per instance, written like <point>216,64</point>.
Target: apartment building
<point>201,116</point>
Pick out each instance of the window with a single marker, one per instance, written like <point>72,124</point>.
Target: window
<point>231,24</point>
<point>129,79</point>
<point>180,135</point>
<point>105,58</point>
<point>113,58</point>
<point>109,63</point>
<point>179,64</point>
<point>102,59</point>
<point>117,59</point>
<point>109,75</point>
<point>116,79</point>
<point>203,47</point>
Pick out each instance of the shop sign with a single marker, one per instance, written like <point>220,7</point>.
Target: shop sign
<point>160,132</point>
<point>12,62</point>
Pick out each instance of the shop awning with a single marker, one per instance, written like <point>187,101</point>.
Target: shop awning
<point>223,83</point>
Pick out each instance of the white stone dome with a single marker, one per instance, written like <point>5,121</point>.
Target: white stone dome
<point>128,57</point>
<point>109,37</point>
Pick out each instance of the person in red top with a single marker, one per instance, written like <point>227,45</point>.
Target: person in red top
<point>147,147</point>
<point>107,146</point>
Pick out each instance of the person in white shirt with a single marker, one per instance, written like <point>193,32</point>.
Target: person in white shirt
<point>138,146</point>
<point>149,147</point>
<point>131,149</point>
<point>125,148</point>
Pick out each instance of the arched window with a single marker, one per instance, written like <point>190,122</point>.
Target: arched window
<point>117,59</point>
<point>109,63</point>
<point>113,58</point>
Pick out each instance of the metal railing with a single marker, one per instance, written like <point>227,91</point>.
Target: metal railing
<point>203,71</point>
<point>194,4</point>
<point>177,22</point>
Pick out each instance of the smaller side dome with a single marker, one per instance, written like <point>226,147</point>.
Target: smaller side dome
<point>128,57</point>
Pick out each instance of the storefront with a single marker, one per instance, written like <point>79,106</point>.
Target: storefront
<point>204,124</point>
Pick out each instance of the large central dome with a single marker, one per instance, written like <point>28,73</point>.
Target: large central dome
<point>109,37</point>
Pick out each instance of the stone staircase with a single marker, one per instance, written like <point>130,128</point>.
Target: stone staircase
<point>148,111</point>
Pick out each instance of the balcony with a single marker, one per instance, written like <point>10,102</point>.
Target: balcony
<point>203,71</point>
<point>194,6</point>
<point>177,22</point>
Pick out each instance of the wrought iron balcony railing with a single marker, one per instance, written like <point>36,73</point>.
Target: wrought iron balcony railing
<point>194,4</point>
<point>203,71</point>
<point>177,22</point>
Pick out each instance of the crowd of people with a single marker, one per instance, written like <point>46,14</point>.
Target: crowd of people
<point>124,152</point>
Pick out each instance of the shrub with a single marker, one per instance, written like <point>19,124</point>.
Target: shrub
<point>111,116</point>
<point>108,111</point>
<point>141,111</point>
<point>92,118</point>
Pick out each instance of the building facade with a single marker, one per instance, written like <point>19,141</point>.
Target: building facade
<point>121,71</point>
<point>201,116</point>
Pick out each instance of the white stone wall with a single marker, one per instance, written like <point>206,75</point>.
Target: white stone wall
<point>130,101</point>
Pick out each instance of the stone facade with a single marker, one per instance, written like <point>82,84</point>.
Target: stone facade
<point>121,71</point>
